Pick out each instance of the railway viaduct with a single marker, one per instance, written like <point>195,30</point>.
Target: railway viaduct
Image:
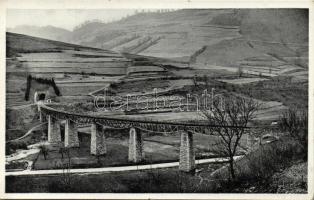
<point>136,128</point>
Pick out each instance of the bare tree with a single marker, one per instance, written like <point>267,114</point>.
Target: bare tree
<point>62,151</point>
<point>232,116</point>
<point>66,166</point>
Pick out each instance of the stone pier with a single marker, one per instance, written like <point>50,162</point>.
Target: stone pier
<point>39,104</point>
<point>71,134</point>
<point>54,132</point>
<point>98,140</point>
<point>135,146</point>
<point>187,156</point>
<point>41,118</point>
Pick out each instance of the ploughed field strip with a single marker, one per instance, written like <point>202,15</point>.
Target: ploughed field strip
<point>81,65</point>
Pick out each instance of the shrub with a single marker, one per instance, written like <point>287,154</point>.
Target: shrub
<point>44,150</point>
<point>296,124</point>
<point>269,159</point>
<point>11,147</point>
<point>260,165</point>
<point>17,165</point>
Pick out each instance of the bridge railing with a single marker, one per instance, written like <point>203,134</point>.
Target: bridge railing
<point>152,125</point>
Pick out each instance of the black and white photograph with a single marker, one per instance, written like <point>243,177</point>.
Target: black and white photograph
<point>157,100</point>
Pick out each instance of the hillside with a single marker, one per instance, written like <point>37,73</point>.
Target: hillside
<point>18,43</point>
<point>48,32</point>
<point>74,67</point>
<point>180,34</point>
<point>192,35</point>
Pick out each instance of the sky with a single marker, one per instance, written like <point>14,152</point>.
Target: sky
<point>67,19</point>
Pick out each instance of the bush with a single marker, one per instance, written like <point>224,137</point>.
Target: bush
<point>269,159</point>
<point>296,124</point>
<point>11,147</point>
<point>44,150</point>
<point>259,166</point>
<point>17,165</point>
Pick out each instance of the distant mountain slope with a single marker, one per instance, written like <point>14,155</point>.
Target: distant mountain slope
<point>171,34</point>
<point>179,34</point>
<point>203,35</point>
<point>18,43</point>
<point>47,32</point>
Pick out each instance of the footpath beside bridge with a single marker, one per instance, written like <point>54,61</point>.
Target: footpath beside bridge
<point>100,124</point>
<point>114,169</point>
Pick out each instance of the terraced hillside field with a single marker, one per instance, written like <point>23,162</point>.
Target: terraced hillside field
<point>77,70</point>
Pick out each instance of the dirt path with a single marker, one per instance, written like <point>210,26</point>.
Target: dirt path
<point>113,169</point>
<point>29,132</point>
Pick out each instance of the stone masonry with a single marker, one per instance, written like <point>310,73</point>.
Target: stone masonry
<point>39,103</point>
<point>135,146</point>
<point>71,134</point>
<point>187,156</point>
<point>54,133</point>
<point>98,140</point>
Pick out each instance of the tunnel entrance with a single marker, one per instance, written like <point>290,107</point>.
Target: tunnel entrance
<point>41,96</point>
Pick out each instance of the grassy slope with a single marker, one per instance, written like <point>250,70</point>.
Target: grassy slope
<point>169,32</point>
<point>260,25</point>
<point>233,50</point>
<point>282,25</point>
<point>17,43</point>
<point>48,32</point>
<point>188,30</point>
